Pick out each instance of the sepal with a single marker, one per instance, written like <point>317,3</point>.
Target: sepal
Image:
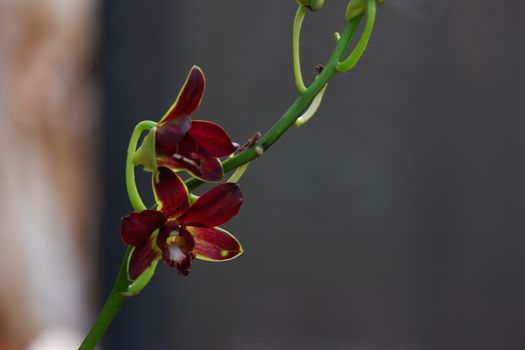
<point>142,281</point>
<point>170,193</point>
<point>189,97</point>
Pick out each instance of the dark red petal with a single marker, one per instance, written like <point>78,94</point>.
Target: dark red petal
<point>214,244</point>
<point>211,138</point>
<point>141,258</point>
<point>176,255</point>
<point>136,228</point>
<point>187,146</point>
<point>190,96</point>
<point>197,164</point>
<point>215,207</point>
<point>169,135</point>
<point>171,193</point>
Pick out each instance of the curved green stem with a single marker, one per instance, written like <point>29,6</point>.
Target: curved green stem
<point>120,289</point>
<point>295,110</point>
<point>297,24</point>
<point>131,186</point>
<point>360,48</point>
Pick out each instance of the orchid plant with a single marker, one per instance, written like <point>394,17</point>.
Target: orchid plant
<point>181,226</point>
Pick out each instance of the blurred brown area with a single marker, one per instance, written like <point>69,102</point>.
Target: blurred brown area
<point>47,167</point>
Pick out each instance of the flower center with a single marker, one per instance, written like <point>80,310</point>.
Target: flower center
<point>176,239</point>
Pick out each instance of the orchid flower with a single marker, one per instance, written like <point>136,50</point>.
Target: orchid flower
<point>179,231</point>
<point>180,143</point>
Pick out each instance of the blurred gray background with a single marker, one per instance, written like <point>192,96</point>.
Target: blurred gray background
<point>393,220</point>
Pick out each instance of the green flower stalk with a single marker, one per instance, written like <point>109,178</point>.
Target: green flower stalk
<point>181,226</point>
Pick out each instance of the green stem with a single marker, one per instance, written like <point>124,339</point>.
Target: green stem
<point>295,110</point>
<point>360,48</point>
<point>297,24</point>
<point>118,293</point>
<point>109,310</point>
<point>104,319</point>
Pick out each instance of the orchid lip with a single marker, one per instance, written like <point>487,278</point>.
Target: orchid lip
<point>175,253</point>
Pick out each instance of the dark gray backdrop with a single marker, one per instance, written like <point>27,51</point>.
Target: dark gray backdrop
<point>393,220</point>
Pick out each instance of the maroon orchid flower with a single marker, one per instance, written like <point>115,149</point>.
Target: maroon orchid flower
<point>179,231</point>
<point>182,144</point>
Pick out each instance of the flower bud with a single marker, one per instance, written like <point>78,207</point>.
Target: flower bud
<point>313,5</point>
<point>358,7</point>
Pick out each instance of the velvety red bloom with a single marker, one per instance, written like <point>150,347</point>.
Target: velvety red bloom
<point>179,231</point>
<point>183,144</point>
